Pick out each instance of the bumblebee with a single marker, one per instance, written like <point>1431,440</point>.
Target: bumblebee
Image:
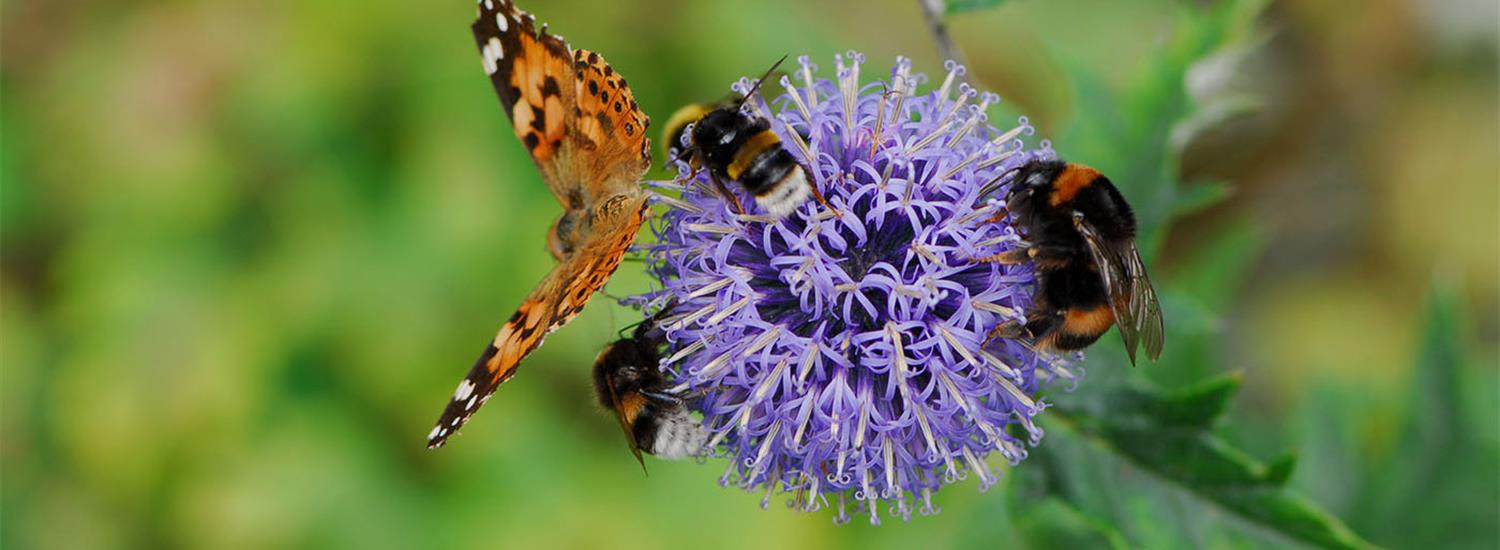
<point>627,380</point>
<point>1081,238</point>
<point>735,145</point>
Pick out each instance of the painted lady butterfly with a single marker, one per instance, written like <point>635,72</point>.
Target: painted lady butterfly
<point>579,121</point>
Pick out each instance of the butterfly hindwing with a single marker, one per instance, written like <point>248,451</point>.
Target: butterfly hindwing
<point>556,300</point>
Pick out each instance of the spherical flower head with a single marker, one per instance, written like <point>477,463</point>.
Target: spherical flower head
<point>841,352</point>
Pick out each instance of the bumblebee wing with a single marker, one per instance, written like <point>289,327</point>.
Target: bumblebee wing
<point>1144,308</point>
<point>1132,298</point>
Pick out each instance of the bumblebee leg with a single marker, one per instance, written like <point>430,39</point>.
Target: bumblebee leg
<point>818,196</point>
<point>1009,330</point>
<point>1044,325</point>
<point>1049,256</point>
<point>1009,257</point>
<point>724,190</point>
<point>999,215</point>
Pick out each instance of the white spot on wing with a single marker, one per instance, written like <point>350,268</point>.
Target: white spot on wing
<point>502,22</point>
<point>465,389</point>
<point>492,54</point>
<point>437,431</point>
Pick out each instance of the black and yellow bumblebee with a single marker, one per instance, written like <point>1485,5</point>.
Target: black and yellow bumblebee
<point>1080,236</point>
<point>735,145</point>
<point>628,380</point>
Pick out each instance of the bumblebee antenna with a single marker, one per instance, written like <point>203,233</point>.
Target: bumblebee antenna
<point>762,80</point>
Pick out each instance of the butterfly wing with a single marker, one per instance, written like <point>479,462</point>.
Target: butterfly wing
<point>582,127</point>
<point>554,302</point>
<point>1131,296</point>
<point>576,116</point>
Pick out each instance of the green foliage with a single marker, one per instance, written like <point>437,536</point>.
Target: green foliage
<point>1169,434</point>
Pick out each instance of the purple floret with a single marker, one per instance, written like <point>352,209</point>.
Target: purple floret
<point>841,352</point>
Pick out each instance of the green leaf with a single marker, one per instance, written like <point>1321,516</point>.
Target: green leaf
<point>1053,523</point>
<point>1166,434</point>
<point>960,6</point>
<point>1200,405</point>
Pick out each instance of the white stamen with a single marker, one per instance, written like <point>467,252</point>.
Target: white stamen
<point>993,308</point>
<point>1005,370</point>
<point>954,70</point>
<point>711,369</point>
<point>769,381</point>
<point>710,228</point>
<point>722,315</point>
<point>683,321</point>
<point>763,341</point>
<point>709,288</point>
<point>986,479</point>
<point>675,202</point>
<point>930,138</point>
<point>922,251</point>
<point>975,117</point>
<point>807,72</point>
<point>958,346</point>
<point>684,352</point>
<point>810,357</point>
<point>792,92</point>
<point>801,429</point>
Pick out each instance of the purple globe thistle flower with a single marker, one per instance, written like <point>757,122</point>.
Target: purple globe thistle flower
<point>841,351</point>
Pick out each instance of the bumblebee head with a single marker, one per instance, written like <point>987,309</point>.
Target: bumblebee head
<point>719,127</point>
<point>677,125</point>
<point>1032,180</point>
<point>1036,176</point>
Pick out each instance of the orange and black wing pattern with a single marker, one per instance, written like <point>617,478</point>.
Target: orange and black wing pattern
<point>582,127</point>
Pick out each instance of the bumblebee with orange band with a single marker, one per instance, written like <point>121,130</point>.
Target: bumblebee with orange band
<point>735,145</point>
<point>1081,235</point>
<point>629,382</point>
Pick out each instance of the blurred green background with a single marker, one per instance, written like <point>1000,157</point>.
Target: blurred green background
<point>249,248</point>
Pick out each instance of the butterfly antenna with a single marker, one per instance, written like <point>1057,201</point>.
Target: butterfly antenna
<point>762,80</point>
